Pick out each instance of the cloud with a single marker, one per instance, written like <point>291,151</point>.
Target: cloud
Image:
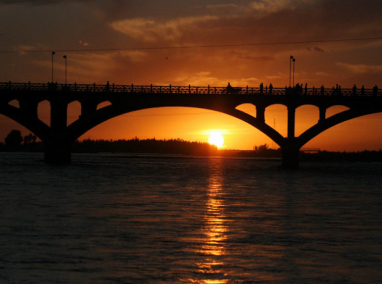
<point>322,74</point>
<point>24,48</point>
<point>271,6</point>
<point>315,49</point>
<point>152,30</point>
<point>204,78</point>
<point>247,56</point>
<point>222,7</point>
<point>360,68</point>
<point>84,43</point>
<point>261,7</point>
<point>37,2</point>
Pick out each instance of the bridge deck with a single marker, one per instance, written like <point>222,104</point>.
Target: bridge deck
<point>41,87</point>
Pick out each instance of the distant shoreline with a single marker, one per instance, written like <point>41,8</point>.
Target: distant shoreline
<point>178,148</point>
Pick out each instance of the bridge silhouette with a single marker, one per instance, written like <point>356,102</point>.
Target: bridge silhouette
<point>58,137</point>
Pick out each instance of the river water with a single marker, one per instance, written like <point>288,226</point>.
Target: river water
<point>170,219</point>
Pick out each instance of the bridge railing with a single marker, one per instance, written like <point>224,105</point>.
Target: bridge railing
<point>152,89</point>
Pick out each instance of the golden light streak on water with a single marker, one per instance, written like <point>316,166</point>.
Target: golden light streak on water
<point>215,230</point>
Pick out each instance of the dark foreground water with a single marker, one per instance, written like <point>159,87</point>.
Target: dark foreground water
<point>113,219</point>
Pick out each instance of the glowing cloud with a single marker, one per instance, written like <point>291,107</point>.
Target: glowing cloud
<point>361,68</point>
<point>151,30</point>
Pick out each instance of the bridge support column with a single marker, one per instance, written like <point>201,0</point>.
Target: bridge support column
<point>322,114</point>
<point>57,148</point>
<point>260,113</point>
<point>57,151</point>
<point>291,121</point>
<point>290,149</point>
<point>290,155</point>
<point>58,114</point>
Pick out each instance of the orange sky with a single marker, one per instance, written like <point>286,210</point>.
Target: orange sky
<point>32,26</point>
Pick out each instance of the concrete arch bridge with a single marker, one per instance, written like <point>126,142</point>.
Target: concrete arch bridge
<point>58,137</point>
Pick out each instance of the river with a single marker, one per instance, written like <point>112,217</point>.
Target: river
<point>110,218</point>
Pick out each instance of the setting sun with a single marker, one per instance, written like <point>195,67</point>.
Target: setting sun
<point>216,139</point>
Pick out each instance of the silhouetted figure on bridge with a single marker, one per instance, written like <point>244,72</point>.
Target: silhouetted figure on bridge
<point>354,90</point>
<point>270,88</point>
<point>232,90</point>
<point>337,90</point>
<point>229,88</point>
<point>322,90</point>
<point>363,90</point>
<point>261,89</point>
<point>306,88</point>
<point>107,87</point>
<point>375,90</point>
<point>298,89</point>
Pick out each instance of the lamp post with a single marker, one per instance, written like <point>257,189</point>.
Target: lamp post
<point>66,67</point>
<point>294,61</point>
<point>53,53</point>
<point>290,68</point>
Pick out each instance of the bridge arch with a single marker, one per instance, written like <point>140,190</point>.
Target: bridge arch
<point>73,111</point>
<point>306,116</point>
<point>36,126</point>
<point>335,109</point>
<point>15,103</point>
<point>85,123</point>
<point>331,121</point>
<point>358,134</point>
<point>276,115</point>
<point>248,108</point>
<point>103,104</point>
<point>44,112</point>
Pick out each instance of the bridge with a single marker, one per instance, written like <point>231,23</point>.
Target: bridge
<point>58,137</point>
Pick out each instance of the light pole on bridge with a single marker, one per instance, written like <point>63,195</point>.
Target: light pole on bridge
<point>66,67</point>
<point>53,53</point>
<point>294,61</point>
<point>290,68</point>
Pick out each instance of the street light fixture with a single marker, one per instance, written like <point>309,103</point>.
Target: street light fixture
<point>294,61</point>
<point>66,67</point>
<point>53,53</point>
<point>290,68</point>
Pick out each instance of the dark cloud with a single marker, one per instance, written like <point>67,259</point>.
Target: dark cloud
<point>309,21</point>
<point>318,49</point>
<point>37,2</point>
<point>246,56</point>
<point>315,49</point>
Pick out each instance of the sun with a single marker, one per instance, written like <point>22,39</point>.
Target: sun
<point>216,139</point>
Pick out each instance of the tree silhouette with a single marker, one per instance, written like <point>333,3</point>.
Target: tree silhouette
<point>13,140</point>
<point>29,139</point>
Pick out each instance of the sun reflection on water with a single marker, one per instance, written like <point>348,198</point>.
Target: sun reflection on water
<point>215,230</point>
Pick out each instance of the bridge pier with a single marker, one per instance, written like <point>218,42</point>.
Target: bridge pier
<point>290,149</point>
<point>57,151</point>
<point>290,155</point>
<point>322,114</point>
<point>260,113</point>
<point>57,148</point>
